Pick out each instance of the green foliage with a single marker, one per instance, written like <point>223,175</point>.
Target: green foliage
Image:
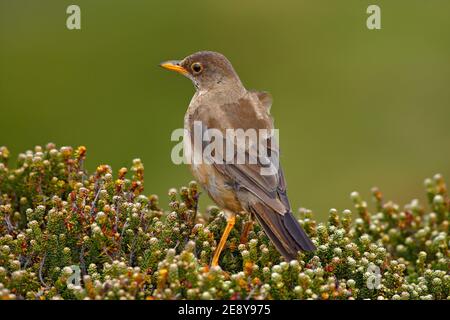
<point>56,219</point>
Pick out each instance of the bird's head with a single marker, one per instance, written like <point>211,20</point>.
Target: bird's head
<point>207,70</point>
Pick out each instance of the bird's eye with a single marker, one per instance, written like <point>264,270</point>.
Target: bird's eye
<point>197,67</point>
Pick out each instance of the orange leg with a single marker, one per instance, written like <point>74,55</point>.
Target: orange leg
<point>248,226</point>
<point>223,240</point>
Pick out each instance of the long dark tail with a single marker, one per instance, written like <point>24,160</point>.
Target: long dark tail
<point>283,230</point>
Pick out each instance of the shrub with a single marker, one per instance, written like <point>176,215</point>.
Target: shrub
<point>65,234</point>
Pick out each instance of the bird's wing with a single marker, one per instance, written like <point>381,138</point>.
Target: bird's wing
<point>250,112</point>
<point>265,98</point>
<point>263,195</point>
<point>270,189</point>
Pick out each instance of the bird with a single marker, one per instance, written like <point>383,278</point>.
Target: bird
<point>221,102</point>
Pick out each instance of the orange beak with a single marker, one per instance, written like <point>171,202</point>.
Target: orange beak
<point>174,65</point>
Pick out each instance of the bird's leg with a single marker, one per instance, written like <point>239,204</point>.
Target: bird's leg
<point>230,224</point>
<point>248,226</point>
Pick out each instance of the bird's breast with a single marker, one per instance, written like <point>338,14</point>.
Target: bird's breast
<point>210,178</point>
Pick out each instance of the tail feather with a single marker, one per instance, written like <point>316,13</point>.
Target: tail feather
<point>297,232</point>
<point>283,230</point>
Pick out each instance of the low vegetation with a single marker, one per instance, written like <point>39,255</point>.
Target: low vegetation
<point>67,234</point>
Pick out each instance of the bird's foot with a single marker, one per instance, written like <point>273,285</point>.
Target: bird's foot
<point>248,226</point>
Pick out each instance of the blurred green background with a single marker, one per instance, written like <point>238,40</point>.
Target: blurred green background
<point>356,108</point>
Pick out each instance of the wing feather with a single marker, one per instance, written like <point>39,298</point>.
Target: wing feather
<point>264,196</point>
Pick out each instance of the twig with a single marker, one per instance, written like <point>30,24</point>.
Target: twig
<point>41,266</point>
<point>8,224</point>
<point>95,198</point>
<point>82,262</point>
<point>250,294</point>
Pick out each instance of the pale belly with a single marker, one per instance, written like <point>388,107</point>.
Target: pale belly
<point>211,180</point>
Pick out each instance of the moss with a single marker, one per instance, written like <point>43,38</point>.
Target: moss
<point>67,234</point>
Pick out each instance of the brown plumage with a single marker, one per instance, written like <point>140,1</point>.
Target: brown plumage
<point>221,102</point>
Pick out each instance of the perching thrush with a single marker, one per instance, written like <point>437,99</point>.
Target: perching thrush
<point>222,102</point>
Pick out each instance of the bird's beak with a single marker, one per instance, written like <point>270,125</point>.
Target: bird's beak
<point>174,65</point>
